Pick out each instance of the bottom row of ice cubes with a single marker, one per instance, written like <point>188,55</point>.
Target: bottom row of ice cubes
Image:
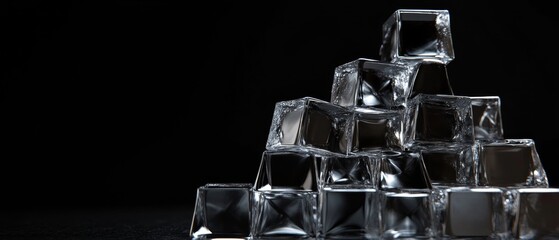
<point>342,212</point>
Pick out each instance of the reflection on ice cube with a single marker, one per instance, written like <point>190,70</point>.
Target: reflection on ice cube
<point>486,113</point>
<point>349,213</point>
<point>370,83</point>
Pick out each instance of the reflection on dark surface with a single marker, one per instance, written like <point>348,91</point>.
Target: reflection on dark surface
<point>349,213</point>
<point>287,170</point>
<point>403,170</point>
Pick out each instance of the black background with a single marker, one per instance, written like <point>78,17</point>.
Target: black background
<point>137,103</point>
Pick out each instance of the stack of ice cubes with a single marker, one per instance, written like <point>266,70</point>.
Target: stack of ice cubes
<point>393,154</point>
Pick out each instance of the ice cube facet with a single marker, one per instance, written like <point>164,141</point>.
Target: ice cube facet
<point>403,170</point>
<point>349,213</point>
<point>373,129</point>
<point>439,118</point>
<point>222,210</point>
<point>406,215</point>
<point>350,170</point>
<point>510,163</point>
<point>449,164</point>
<point>287,170</point>
<point>287,214</point>
<point>536,214</point>
<point>417,34</point>
<point>486,114</point>
<point>308,122</point>
<point>430,78</point>
<point>370,83</point>
<point>470,212</point>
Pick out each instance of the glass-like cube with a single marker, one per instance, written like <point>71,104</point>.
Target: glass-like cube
<point>370,83</point>
<point>373,129</point>
<point>287,170</point>
<point>417,34</point>
<point>349,213</point>
<point>486,114</point>
<point>284,214</point>
<point>449,164</point>
<point>406,215</point>
<point>308,122</point>
<point>222,211</point>
<point>430,77</point>
<point>470,213</point>
<point>536,214</point>
<point>338,169</point>
<point>439,118</point>
<point>510,163</point>
<point>403,170</point>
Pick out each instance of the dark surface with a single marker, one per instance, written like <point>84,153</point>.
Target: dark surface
<point>149,223</point>
<point>139,102</point>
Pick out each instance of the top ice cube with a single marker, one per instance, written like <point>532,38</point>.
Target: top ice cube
<point>416,35</point>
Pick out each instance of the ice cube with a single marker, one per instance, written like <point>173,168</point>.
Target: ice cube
<point>486,114</point>
<point>402,170</point>
<point>430,77</point>
<point>373,129</point>
<point>370,83</point>
<point>417,34</point>
<point>439,118</point>
<point>536,214</point>
<point>286,214</point>
<point>467,212</point>
<point>449,164</point>
<point>350,170</point>
<point>288,170</point>
<point>349,213</point>
<point>510,163</point>
<point>406,215</point>
<point>222,210</point>
<point>308,122</point>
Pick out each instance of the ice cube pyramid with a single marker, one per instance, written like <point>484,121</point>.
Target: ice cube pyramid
<point>393,154</point>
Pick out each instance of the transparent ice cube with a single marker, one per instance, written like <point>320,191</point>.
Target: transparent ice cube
<point>222,210</point>
<point>349,213</point>
<point>287,170</point>
<point>403,170</point>
<point>308,122</point>
<point>449,164</point>
<point>286,214</point>
<point>439,118</point>
<point>430,77</point>
<point>370,83</point>
<point>373,129</point>
<point>470,212</point>
<point>486,114</point>
<point>536,212</point>
<point>510,163</point>
<point>406,215</point>
<point>341,169</point>
<point>417,34</point>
